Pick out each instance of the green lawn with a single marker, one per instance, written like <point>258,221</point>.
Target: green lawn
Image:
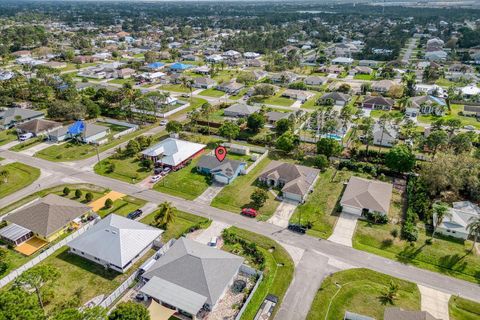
<point>224,76</point>
<point>278,100</point>
<point>19,176</point>
<point>444,82</point>
<point>7,136</point>
<point>122,81</point>
<point>184,222</point>
<point>27,144</point>
<point>186,183</point>
<point>463,309</point>
<point>379,113</point>
<point>73,66</point>
<point>123,206</point>
<point>174,87</point>
<point>319,209</point>
<point>364,76</point>
<point>236,195</point>
<point>310,103</point>
<point>212,93</point>
<point>359,291</point>
<point>239,95</point>
<point>277,272</point>
<point>70,151</point>
<point>445,256</point>
<point>126,169</point>
<point>453,115</point>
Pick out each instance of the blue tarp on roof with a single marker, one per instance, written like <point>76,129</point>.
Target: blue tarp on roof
<point>155,65</point>
<point>180,66</point>
<point>439,101</point>
<point>76,128</point>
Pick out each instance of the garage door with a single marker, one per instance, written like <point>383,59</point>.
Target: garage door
<point>352,210</point>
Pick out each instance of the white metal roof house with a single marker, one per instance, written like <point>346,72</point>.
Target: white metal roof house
<point>173,152</point>
<point>191,277</point>
<point>115,242</point>
<point>363,194</point>
<point>463,212</point>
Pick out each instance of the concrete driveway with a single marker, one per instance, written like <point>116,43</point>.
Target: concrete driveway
<point>207,196</point>
<point>36,148</point>
<point>344,229</point>
<point>215,230</point>
<point>434,302</point>
<point>284,212</point>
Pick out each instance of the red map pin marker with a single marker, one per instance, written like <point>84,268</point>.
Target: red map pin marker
<point>220,153</point>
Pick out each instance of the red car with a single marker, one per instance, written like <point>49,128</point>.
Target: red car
<point>249,212</point>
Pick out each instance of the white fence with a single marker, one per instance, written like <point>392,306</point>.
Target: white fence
<point>42,256</point>
<point>253,165</point>
<point>119,291</point>
<point>252,272</point>
<point>163,114</point>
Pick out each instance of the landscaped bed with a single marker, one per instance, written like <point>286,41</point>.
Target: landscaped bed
<point>361,291</point>
<point>278,269</point>
<point>19,176</point>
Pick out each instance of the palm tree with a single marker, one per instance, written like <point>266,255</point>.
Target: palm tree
<point>367,130</point>
<point>391,293</point>
<point>473,229</point>
<point>206,110</point>
<point>165,215</point>
<point>440,212</point>
<point>187,83</point>
<point>4,174</point>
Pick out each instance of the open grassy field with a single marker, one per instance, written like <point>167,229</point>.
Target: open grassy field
<point>452,115</point>
<point>463,309</point>
<point>451,257</point>
<point>126,169</point>
<point>7,136</point>
<point>186,183</point>
<point>278,100</point>
<point>174,88</point>
<point>278,270</point>
<point>182,224</point>
<point>360,291</point>
<point>19,176</point>
<point>212,92</point>
<point>236,195</point>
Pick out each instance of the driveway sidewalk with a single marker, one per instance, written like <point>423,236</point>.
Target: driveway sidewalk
<point>215,230</point>
<point>207,196</point>
<point>36,148</point>
<point>434,302</point>
<point>282,215</point>
<point>344,229</point>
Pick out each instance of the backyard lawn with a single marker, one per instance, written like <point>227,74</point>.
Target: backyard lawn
<point>186,183</point>
<point>7,136</point>
<point>236,195</point>
<point>463,309</point>
<point>360,291</point>
<point>212,93</point>
<point>277,272</point>
<point>183,223</point>
<point>453,115</point>
<point>449,257</point>
<point>19,176</point>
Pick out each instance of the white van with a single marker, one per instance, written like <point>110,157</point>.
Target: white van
<point>25,136</point>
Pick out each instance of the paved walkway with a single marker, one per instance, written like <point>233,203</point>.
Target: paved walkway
<point>36,148</point>
<point>147,209</point>
<point>434,302</point>
<point>207,196</point>
<point>344,229</point>
<point>9,145</point>
<point>284,212</point>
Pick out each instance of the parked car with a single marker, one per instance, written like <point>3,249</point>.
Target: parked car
<point>157,171</point>
<point>163,122</point>
<point>249,212</point>
<point>155,179</point>
<point>25,136</point>
<point>165,171</point>
<point>297,228</point>
<point>135,214</point>
<point>213,242</point>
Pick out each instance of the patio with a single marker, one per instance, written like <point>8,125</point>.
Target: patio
<point>31,246</point>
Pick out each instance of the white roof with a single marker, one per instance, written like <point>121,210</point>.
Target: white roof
<point>115,239</point>
<point>463,212</point>
<point>470,90</point>
<point>173,151</point>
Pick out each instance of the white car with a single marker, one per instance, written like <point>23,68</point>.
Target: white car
<point>155,179</point>
<point>213,242</point>
<point>469,127</point>
<point>25,136</point>
<point>163,122</point>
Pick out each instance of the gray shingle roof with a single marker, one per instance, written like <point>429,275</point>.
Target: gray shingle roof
<point>116,239</point>
<point>243,109</point>
<point>196,267</point>
<point>9,115</point>
<point>367,194</point>
<point>227,167</point>
<point>48,215</point>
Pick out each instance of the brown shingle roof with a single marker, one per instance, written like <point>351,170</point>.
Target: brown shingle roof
<point>367,194</point>
<point>38,125</point>
<point>48,215</point>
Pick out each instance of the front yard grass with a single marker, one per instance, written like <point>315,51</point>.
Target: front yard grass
<point>236,195</point>
<point>311,103</point>
<point>19,176</point>
<point>360,291</point>
<point>454,114</point>
<point>184,222</point>
<point>240,94</point>
<point>26,144</point>
<point>123,206</point>
<point>122,81</point>
<point>174,88</point>
<point>186,183</point>
<point>127,169</point>
<point>463,309</point>
<point>277,272</point>
<point>364,76</point>
<point>447,256</point>
<point>212,92</point>
<point>278,100</point>
<point>7,136</point>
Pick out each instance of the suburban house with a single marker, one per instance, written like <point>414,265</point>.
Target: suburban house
<point>378,103</point>
<point>344,61</point>
<point>178,67</point>
<point>361,70</point>
<point>115,242</point>
<point>283,77</point>
<point>155,66</point>
<point>89,133</point>
<point>298,95</point>
<point>13,116</point>
<point>463,212</point>
<point>314,81</point>
<point>295,181</point>
<point>173,153</point>
<point>385,137</point>
<point>46,218</point>
<point>338,98</point>
<point>222,171</point>
<point>467,91</point>
<point>382,86</point>
<point>259,74</point>
<point>393,313</point>
<point>430,89</point>
<point>191,277</point>
<point>429,105</point>
<point>125,73</point>
<point>274,116</point>
<point>204,83</point>
<point>364,195</point>
<point>331,69</point>
<point>231,87</point>
<point>240,110</point>
<point>473,111</point>
<point>368,63</point>
<point>38,126</point>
